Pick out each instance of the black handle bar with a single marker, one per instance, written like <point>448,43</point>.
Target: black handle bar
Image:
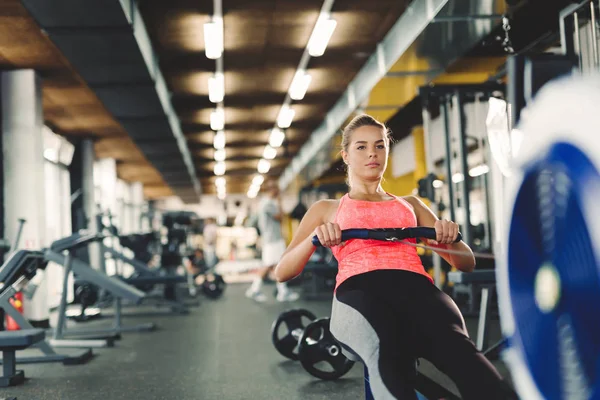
<point>387,234</point>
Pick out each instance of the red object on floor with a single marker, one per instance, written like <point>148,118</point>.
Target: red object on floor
<point>17,302</point>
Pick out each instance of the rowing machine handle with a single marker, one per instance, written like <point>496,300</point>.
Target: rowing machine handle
<point>375,234</point>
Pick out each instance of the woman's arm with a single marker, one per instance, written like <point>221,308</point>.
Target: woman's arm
<point>301,248</point>
<point>425,217</point>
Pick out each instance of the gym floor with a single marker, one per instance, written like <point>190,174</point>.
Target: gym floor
<point>221,350</point>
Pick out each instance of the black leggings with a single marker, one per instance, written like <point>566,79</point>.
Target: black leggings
<point>389,318</point>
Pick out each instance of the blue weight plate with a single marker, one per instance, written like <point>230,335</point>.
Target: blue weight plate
<point>549,231</point>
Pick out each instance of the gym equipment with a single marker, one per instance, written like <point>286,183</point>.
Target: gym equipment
<point>86,295</point>
<point>10,342</point>
<point>548,279</point>
<point>15,273</point>
<point>213,285</point>
<point>312,344</point>
<point>388,234</point>
<point>146,278</point>
<point>61,252</point>
<point>317,345</point>
<point>487,280</point>
<point>294,322</point>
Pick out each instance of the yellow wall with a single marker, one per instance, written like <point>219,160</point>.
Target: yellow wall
<point>405,184</point>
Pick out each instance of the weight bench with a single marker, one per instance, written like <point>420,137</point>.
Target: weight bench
<point>10,342</point>
<point>15,273</point>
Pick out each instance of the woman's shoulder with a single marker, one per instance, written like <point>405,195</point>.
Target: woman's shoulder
<point>326,208</point>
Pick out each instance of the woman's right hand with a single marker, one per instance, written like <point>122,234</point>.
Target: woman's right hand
<point>329,234</point>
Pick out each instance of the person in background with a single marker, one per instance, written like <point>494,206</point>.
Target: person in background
<point>210,242</point>
<point>273,245</point>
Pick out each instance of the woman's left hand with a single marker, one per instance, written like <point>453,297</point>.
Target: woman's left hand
<point>446,232</point>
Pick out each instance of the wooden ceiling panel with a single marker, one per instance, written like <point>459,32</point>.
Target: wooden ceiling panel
<point>120,148</point>
<point>268,78</point>
<point>139,172</point>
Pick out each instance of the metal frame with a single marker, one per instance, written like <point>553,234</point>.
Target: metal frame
<point>455,96</point>
<point>109,284</point>
<point>49,355</point>
<point>570,31</point>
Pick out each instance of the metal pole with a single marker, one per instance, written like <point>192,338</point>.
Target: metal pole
<point>62,309</point>
<point>449,183</point>
<point>430,164</point>
<point>464,166</point>
<point>594,34</point>
<point>578,40</point>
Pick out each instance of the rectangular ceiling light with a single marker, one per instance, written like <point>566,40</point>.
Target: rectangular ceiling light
<point>220,181</point>
<point>213,38</point>
<point>217,119</point>
<point>220,155</point>
<point>285,117</point>
<point>269,153</point>
<point>219,168</point>
<point>276,137</point>
<point>219,140</point>
<point>216,88</point>
<point>263,166</point>
<point>258,180</point>
<point>320,36</point>
<point>299,85</point>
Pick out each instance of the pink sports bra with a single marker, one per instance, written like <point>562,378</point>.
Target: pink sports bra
<point>360,256</point>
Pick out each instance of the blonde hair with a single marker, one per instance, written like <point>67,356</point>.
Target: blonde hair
<point>358,122</point>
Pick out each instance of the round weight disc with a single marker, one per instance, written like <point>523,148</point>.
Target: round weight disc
<point>287,329</point>
<point>320,354</point>
<point>549,278</point>
<point>214,286</point>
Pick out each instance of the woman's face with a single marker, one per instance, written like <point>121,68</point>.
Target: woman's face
<point>367,153</point>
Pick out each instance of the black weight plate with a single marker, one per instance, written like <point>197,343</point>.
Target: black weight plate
<point>214,286</point>
<point>294,322</point>
<point>318,348</point>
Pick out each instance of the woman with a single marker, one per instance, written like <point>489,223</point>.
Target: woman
<point>386,309</point>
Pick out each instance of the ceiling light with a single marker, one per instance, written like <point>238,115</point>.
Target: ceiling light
<point>221,189</point>
<point>299,85</point>
<point>221,196</point>
<point>479,170</point>
<point>219,140</point>
<point>269,153</point>
<point>213,38</point>
<point>285,117</point>
<point>252,195</point>
<point>219,155</point>
<point>263,166</point>
<point>217,119</point>
<point>320,36</point>
<point>276,138</point>
<point>220,168</point>
<point>458,177</point>
<point>216,88</point>
<point>220,182</point>
<point>437,184</point>
<point>258,180</point>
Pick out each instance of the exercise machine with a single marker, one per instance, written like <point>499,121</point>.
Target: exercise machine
<point>61,252</point>
<point>16,272</point>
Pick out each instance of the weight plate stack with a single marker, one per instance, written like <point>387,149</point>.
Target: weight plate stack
<point>294,322</point>
<point>320,354</point>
